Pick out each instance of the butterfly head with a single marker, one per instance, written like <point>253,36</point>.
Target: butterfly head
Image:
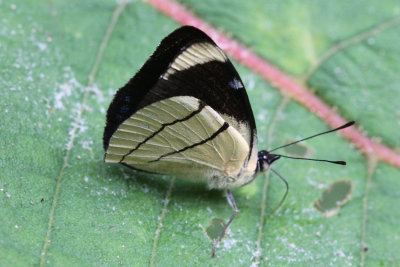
<point>265,159</point>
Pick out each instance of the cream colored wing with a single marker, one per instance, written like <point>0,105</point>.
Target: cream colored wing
<point>179,136</point>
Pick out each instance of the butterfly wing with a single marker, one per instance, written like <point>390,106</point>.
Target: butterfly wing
<point>187,63</point>
<point>179,136</point>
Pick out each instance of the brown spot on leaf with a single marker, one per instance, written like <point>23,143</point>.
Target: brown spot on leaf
<point>297,150</point>
<point>335,196</point>
<point>215,228</point>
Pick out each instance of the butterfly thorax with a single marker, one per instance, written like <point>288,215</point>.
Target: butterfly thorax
<point>254,167</point>
<point>228,182</point>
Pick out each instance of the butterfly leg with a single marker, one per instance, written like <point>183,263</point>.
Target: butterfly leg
<point>235,211</point>
<point>286,193</point>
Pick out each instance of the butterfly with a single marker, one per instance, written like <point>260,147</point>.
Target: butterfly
<point>186,114</point>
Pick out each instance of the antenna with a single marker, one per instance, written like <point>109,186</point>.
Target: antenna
<point>268,155</point>
<point>324,160</point>
<point>333,130</point>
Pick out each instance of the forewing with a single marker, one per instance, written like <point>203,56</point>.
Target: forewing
<point>187,63</point>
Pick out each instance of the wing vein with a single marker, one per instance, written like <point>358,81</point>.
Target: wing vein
<point>199,109</point>
<point>220,130</point>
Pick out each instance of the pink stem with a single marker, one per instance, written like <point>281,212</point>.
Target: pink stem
<point>280,80</point>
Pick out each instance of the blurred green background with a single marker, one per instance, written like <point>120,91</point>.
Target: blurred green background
<point>60,204</point>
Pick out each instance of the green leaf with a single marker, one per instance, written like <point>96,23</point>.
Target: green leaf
<point>62,205</point>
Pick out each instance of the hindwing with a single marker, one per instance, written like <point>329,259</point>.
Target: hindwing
<point>179,136</point>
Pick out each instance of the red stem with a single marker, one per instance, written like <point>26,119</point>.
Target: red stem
<point>280,80</point>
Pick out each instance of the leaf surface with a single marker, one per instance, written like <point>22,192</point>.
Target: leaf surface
<point>62,205</point>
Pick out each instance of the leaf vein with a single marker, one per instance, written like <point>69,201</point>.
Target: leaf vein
<point>160,221</point>
<point>353,40</point>
<point>263,205</point>
<point>75,125</point>
<point>371,166</point>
